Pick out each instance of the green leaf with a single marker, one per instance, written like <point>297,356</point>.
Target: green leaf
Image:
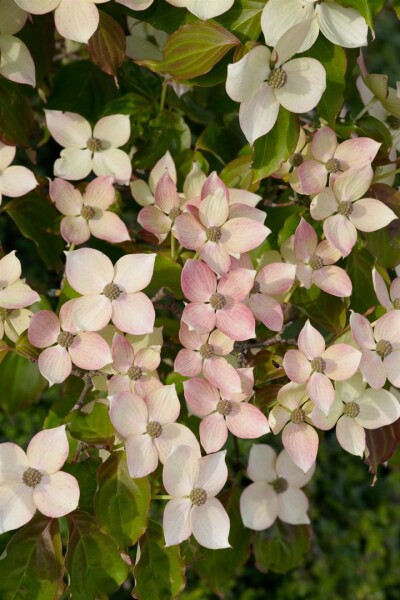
<point>31,567</point>
<point>218,568</point>
<point>94,427</point>
<point>276,146</point>
<point>324,309</point>
<point>160,15</point>
<point>86,474</point>
<point>244,18</point>
<point>107,46</point>
<point>38,35</point>
<point>384,244</point>
<point>194,49</point>
<point>167,273</point>
<point>93,562</point>
<point>160,572</point>
<point>238,174</point>
<point>367,8</point>
<point>36,218</point>
<point>382,444</point>
<point>359,268</point>
<point>17,124</point>
<point>21,383</point>
<point>281,548</point>
<point>121,503</point>
<point>219,141</point>
<point>371,127</point>
<point>333,58</point>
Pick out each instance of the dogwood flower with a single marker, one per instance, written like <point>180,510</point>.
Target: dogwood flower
<point>341,25</point>
<point>215,235</point>
<point>64,344</point>
<point>344,213</point>
<point>204,353</point>
<point>380,348</point>
<point>292,414</point>
<point>328,158</point>
<point>219,304</point>
<point>149,428</point>
<point>389,300</point>
<point>111,292</point>
<point>86,149</point>
<point>143,192</point>
<point>160,217</point>
<point>314,262</point>
<point>16,63</point>
<point>33,481</point>
<point>275,491</point>
<point>15,181</point>
<point>316,365</point>
<point>355,409</point>
<point>193,483</point>
<point>262,82</point>
<point>204,10</point>
<point>13,322</point>
<point>86,214</point>
<point>135,371</point>
<point>272,280</point>
<point>220,413</point>
<point>14,292</point>
<point>77,20</point>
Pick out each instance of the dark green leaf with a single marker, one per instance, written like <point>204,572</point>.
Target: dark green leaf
<point>219,141</point>
<point>38,35</point>
<point>32,566</point>
<point>21,383</point>
<point>167,273</point>
<point>238,174</point>
<point>93,561</point>
<point>107,46</point>
<point>122,503</point>
<point>17,124</point>
<point>384,244</point>
<point>94,427</point>
<point>370,127</point>
<point>276,146</point>
<point>244,18</point>
<point>324,309</point>
<point>86,474</point>
<point>160,572</point>
<point>359,268</point>
<point>282,547</point>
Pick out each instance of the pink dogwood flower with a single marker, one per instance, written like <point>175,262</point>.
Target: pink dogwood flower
<point>355,409</point>
<point>389,300</point>
<point>143,192</point>
<point>14,292</point>
<point>218,304</point>
<point>111,292</point>
<point>204,353</point>
<point>273,279</point>
<point>86,214</point>
<point>87,149</point>
<point>15,181</point>
<point>149,428</point>
<point>135,371</point>
<point>292,414</point>
<point>33,481</point>
<point>330,158</point>
<point>193,483</point>
<point>160,217</point>
<point>344,212</point>
<point>314,262</point>
<point>316,365</point>
<point>380,348</point>
<point>221,413</point>
<point>65,345</point>
<point>275,491</point>
<point>215,235</point>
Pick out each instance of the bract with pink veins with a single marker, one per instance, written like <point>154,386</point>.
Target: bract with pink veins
<point>15,181</point>
<point>389,300</point>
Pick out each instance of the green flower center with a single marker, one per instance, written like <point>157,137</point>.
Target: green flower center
<point>88,212</point>
<point>134,373</point>
<point>277,78</point>
<point>154,429</point>
<point>384,348</point>
<point>65,339</point>
<point>280,485</point>
<point>318,365</point>
<point>316,262</point>
<point>296,159</point>
<point>213,234</point>
<point>94,144</point>
<point>351,409</point>
<point>174,212</point>
<point>217,301</point>
<point>32,477</point>
<point>297,416</point>
<point>206,351</point>
<point>332,165</point>
<point>198,496</point>
<point>345,208</point>
<point>224,407</point>
<point>112,291</point>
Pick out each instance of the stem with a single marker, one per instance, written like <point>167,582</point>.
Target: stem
<point>11,326</point>
<point>162,497</point>
<point>172,246</point>
<point>291,292</point>
<point>366,108</point>
<point>196,256</point>
<point>163,97</point>
<point>384,175</point>
<point>86,389</point>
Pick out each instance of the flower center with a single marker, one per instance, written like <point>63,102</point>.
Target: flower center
<point>280,485</point>
<point>198,496</point>
<point>88,212</point>
<point>393,122</point>
<point>332,165</point>
<point>318,364</point>
<point>112,291</point>
<point>32,477</point>
<point>384,348</point>
<point>396,304</point>
<point>213,234</point>
<point>345,208</point>
<point>351,409</point>
<point>134,373</point>
<point>297,416</point>
<point>296,159</point>
<point>94,144</point>
<point>277,78</point>
<point>316,262</point>
<point>65,339</point>
<point>256,289</point>
<point>154,429</point>
<point>174,212</point>
<point>206,351</point>
<point>217,301</point>
<point>224,407</point>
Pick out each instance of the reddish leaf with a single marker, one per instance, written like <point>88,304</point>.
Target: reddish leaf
<point>107,46</point>
<point>381,444</point>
